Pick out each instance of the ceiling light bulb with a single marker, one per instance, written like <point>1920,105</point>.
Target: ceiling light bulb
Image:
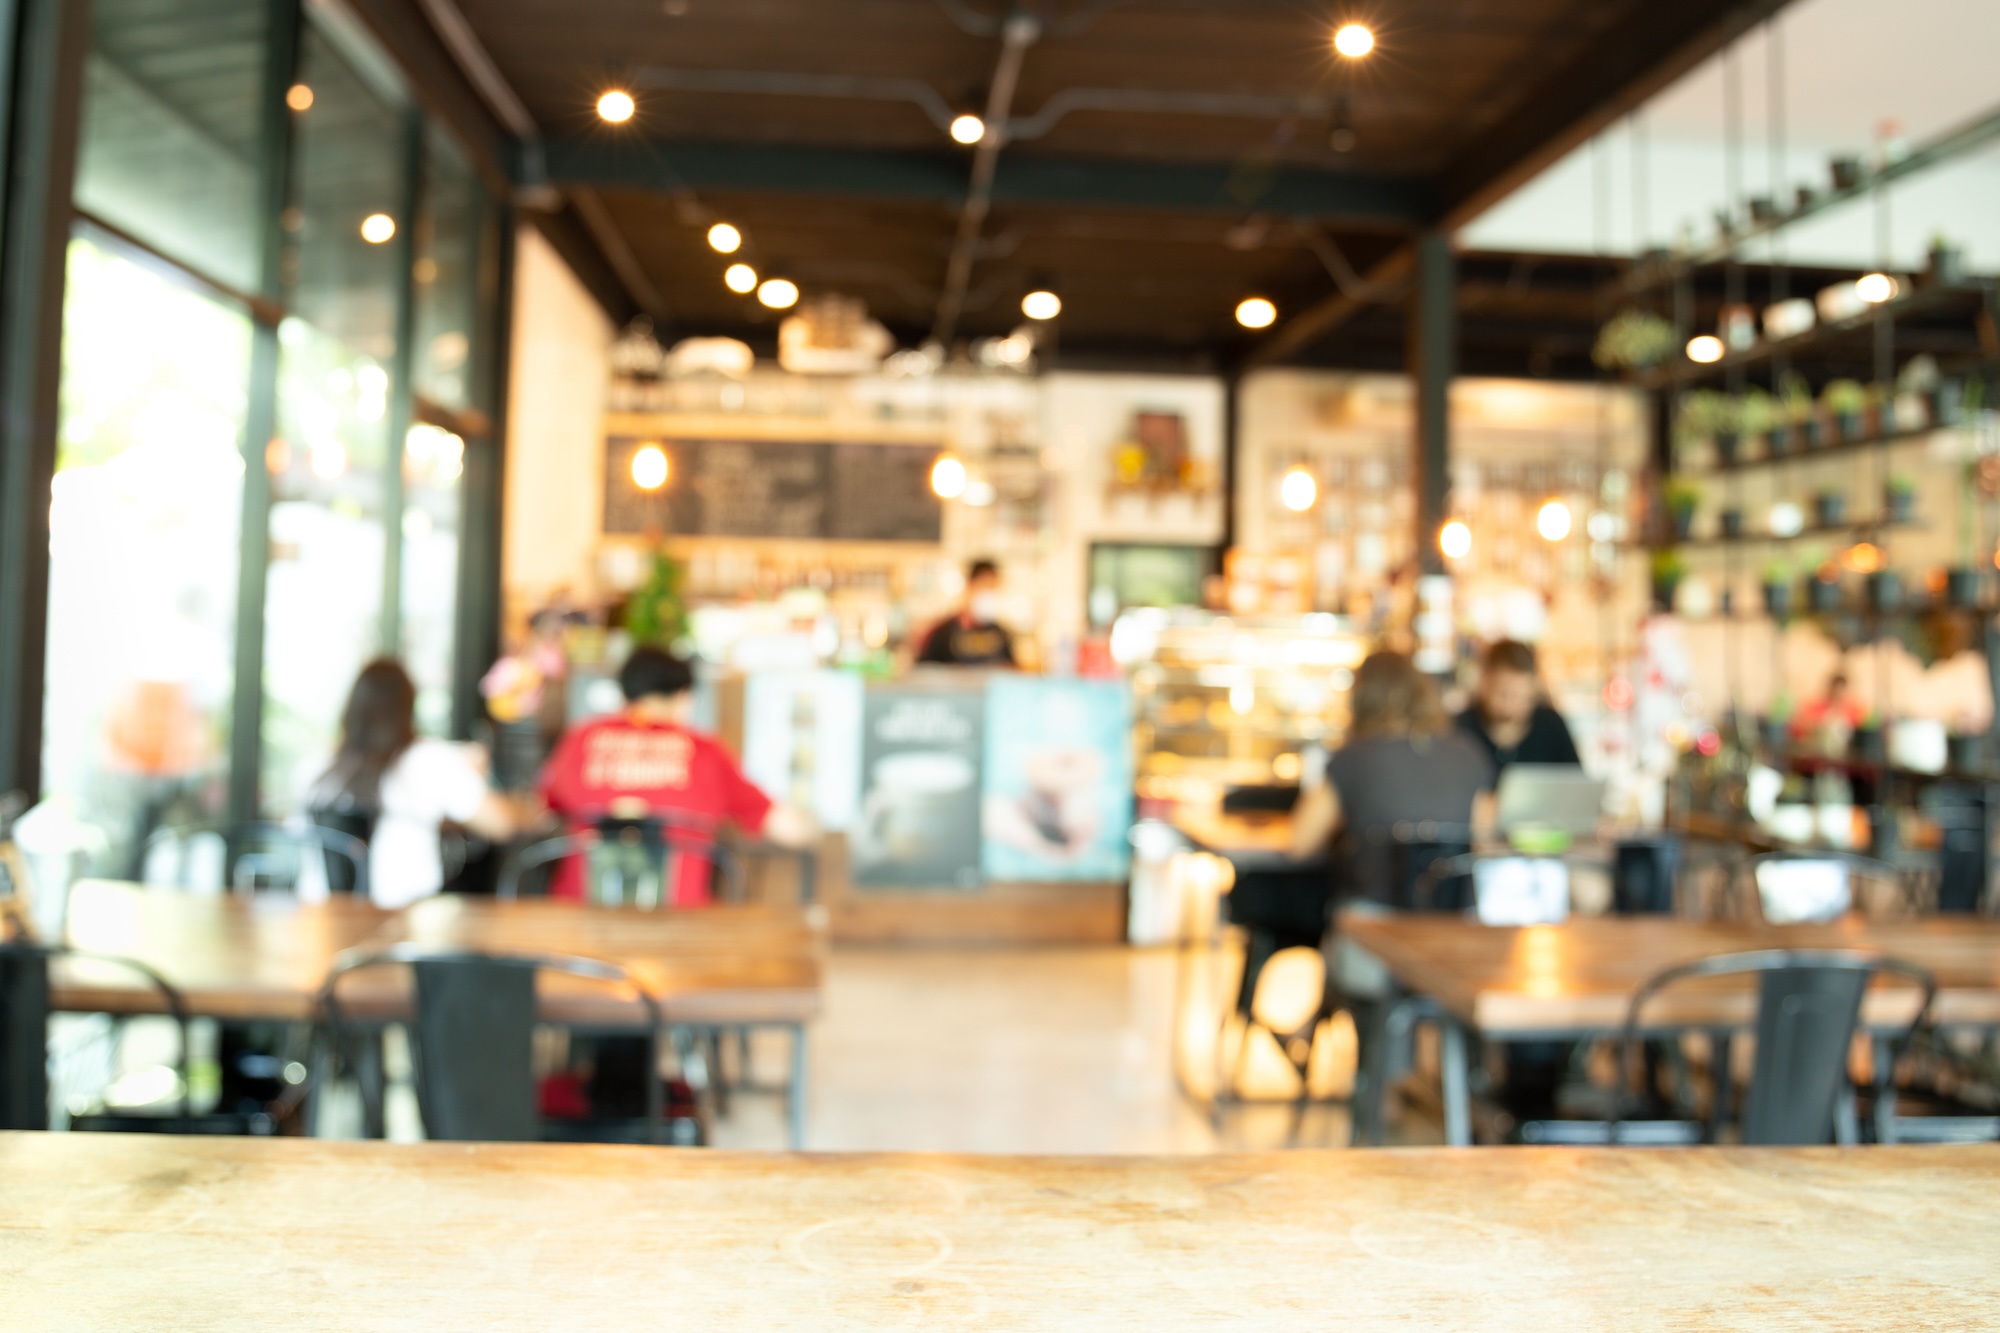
<point>650,468</point>
<point>1354,40</point>
<point>616,107</point>
<point>740,278</point>
<point>724,239</point>
<point>378,228</point>
<point>1875,288</point>
<point>1553,521</point>
<point>1041,305</point>
<point>968,128</point>
<point>948,478</point>
<point>1705,348</point>
<point>1455,539</point>
<point>779,293</point>
<point>299,97</point>
<point>1298,490</point>
<point>1256,313</point>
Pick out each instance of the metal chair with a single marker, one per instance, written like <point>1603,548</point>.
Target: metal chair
<point>629,862</point>
<point>473,1036</point>
<point>264,855</point>
<point>25,1006</point>
<point>1808,1009</point>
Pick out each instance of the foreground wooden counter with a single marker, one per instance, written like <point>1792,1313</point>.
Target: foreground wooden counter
<point>105,1232</point>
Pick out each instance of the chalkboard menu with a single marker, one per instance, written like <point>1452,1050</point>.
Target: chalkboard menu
<point>782,489</point>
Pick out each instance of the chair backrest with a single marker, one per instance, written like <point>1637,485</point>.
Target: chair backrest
<point>24,1028</point>
<point>258,855</point>
<point>626,862</point>
<point>1429,863</point>
<point>1643,875</point>
<point>473,1036</point>
<point>1808,1006</point>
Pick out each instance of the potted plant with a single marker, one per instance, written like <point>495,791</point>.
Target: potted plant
<point>1899,499</point>
<point>1830,508</point>
<point>1634,340</point>
<point>1731,521</point>
<point>1846,172</point>
<point>1778,591</point>
<point>1964,587</point>
<point>657,612</point>
<point>1844,401</point>
<point>1683,497</point>
<point>1669,568</point>
<point>1763,209</point>
<point>1946,267</point>
<point>1804,197</point>
<point>1823,593</point>
<point>1759,417</point>
<point>1707,415</point>
<point>1885,590</point>
<point>1775,727</point>
<point>1869,742</point>
<point>1878,412</point>
<point>1800,409</point>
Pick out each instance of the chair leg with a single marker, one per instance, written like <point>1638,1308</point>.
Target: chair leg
<point>797,1103</point>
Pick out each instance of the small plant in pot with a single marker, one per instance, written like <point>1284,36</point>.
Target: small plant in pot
<point>1830,508</point>
<point>1878,412</point>
<point>1777,585</point>
<point>1964,586</point>
<point>1946,266</point>
<point>1634,340</point>
<point>1683,498</point>
<point>1885,590</point>
<point>1800,411</point>
<point>1899,499</point>
<point>1846,172</point>
<point>1759,417</point>
<point>1707,415</point>
<point>1844,401</point>
<point>1669,568</point>
<point>1823,592</point>
<point>1731,522</point>
<point>1775,727</point>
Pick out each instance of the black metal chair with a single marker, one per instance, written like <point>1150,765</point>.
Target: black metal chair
<point>265,855</point>
<point>627,862</point>
<point>473,1033</point>
<point>25,1008</point>
<point>1808,1009</point>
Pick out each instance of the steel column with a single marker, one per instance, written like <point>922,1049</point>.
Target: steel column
<point>1432,363</point>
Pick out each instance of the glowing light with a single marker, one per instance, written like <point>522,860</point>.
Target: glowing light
<point>779,293</point>
<point>1014,350</point>
<point>650,468</point>
<point>1863,558</point>
<point>1705,349</point>
<point>1455,540</point>
<point>1618,694</point>
<point>1298,490</point>
<point>948,478</point>
<point>724,239</point>
<point>329,459</point>
<point>299,97</point>
<point>1254,312</point>
<point>740,278</point>
<point>616,107</point>
<point>1786,519</point>
<point>1553,521</point>
<point>378,228</point>
<point>1041,305</point>
<point>1875,288</point>
<point>1354,40</point>
<point>968,129</point>
<point>1708,743</point>
<point>1242,698</point>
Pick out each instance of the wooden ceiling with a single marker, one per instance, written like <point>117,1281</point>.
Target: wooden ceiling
<point>1164,159</point>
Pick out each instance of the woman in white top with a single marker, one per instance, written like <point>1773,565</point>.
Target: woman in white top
<point>405,785</point>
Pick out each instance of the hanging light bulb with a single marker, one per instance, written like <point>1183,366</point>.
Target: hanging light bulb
<point>1875,288</point>
<point>948,477</point>
<point>1254,312</point>
<point>740,278</point>
<point>779,293</point>
<point>1354,40</point>
<point>616,107</point>
<point>1455,540</point>
<point>650,468</point>
<point>1041,305</point>
<point>967,129</point>
<point>724,239</point>
<point>1298,491</point>
<point>1705,349</point>
<point>1553,521</point>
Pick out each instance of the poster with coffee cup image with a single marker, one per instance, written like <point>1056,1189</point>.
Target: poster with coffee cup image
<point>1058,781</point>
<point>918,823</point>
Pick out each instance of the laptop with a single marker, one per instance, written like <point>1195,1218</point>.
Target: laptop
<point>1558,798</point>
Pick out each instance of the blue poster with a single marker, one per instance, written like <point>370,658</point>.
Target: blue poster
<point>1058,799</point>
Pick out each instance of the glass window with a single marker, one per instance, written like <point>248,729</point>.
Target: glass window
<point>170,140</point>
<point>446,275</point>
<point>144,524</point>
<point>433,463</point>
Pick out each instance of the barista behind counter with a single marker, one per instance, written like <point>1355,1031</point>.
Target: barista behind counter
<point>972,636</point>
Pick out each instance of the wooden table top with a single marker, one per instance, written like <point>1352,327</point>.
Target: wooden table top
<point>111,1232</point>
<point>1253,840</point>
<point>1580,975</point>
<point>265,956</point>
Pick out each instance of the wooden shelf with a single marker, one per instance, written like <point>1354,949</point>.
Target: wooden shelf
<point>1857,527</point>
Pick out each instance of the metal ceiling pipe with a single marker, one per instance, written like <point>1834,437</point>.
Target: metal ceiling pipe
<point>1019,34</point>
<point>758,82</point>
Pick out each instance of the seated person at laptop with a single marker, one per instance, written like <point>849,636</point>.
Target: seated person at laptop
<point>1402,763</point>
<point>1510,717</point>
<point>648,763</point>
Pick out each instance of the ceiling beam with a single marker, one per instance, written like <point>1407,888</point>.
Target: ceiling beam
<point>1027,180</point>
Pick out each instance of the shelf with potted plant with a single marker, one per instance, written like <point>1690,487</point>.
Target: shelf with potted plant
<point>1848,417</point>
<point>1861,528</point>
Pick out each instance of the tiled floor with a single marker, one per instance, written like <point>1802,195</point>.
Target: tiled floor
<point>1014,1051</point>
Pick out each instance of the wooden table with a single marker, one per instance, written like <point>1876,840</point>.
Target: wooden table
<point>108,1232</point>
<point>1576,979</point>
<point>1251,841</point>
<point>265,956</point>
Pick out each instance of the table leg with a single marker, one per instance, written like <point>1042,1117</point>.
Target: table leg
<point>796,1105</point>
<point>1721,1082</point>
<point>1457,1077</point>
<point>1885,1090</point>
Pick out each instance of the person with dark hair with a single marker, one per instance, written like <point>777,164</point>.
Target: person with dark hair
<point>648,762</point>
<point>972,636</point>
<point>1403,763</point>
<point>1510,717</point>
<point>394,788</point>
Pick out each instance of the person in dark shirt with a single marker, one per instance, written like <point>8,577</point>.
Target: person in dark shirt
<point>1509,717</point>
<point>972,636</point>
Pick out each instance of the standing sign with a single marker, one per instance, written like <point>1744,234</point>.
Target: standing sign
<point>918,823</point>
<point>1058,779</point>
<point>802,740</point>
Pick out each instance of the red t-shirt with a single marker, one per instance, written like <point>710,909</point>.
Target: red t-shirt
<point>672,770</point>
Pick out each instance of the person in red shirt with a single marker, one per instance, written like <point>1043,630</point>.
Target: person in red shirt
<point>648,763</point>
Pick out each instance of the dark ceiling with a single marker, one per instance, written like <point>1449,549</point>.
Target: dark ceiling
<point>1164,158</point>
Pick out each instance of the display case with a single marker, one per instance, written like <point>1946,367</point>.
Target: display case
<point>1228,701</point>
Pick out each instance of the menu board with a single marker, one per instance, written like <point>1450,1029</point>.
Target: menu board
<point>783,489</point>
<point>918,823</point>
